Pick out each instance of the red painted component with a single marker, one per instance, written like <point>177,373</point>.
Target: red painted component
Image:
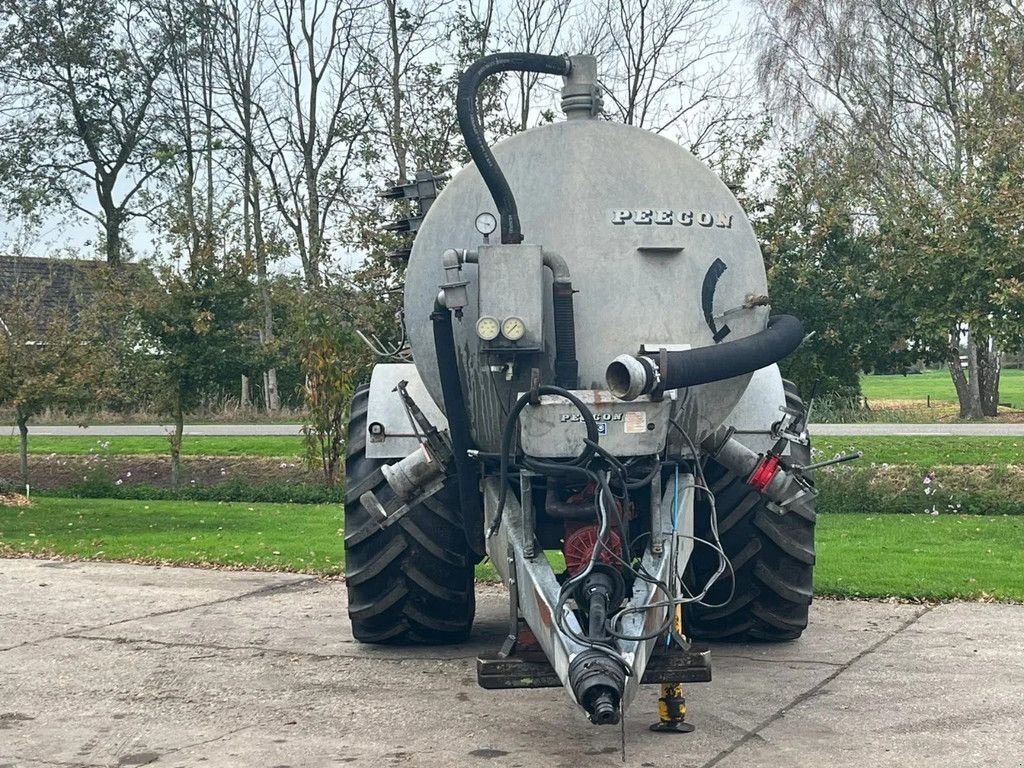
<point>580,542</point>
<point>763,473</point>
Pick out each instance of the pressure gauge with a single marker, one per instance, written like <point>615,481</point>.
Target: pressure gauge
<point>513,328</point>
<point>486,223</point>
<point>487,328</point>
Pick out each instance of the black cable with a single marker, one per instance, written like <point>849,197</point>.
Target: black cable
<point>508,434</point>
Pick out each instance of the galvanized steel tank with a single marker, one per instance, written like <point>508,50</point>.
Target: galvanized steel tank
<point>659,250</point>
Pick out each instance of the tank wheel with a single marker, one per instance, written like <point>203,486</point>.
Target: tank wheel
<point>772,554</point>
<point>411,582</point>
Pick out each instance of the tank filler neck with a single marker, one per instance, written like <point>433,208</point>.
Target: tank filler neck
<point>581,96</point>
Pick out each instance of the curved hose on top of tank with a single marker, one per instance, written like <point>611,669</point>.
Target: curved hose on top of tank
<point>473,132</point>
<point>628,377</point>
<point>566,365</point>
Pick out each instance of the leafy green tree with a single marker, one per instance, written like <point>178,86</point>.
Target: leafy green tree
<point>192,330</point>
<point>334,359</point>
<point>52,357</point>
<point>930,91</point>
<point>79,117</point>
<point>822,255</point>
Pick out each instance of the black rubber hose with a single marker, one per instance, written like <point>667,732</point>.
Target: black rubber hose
<point>629,377</point>
<point>567,369</point>
<point>473,132</point>
<point>508,434</point>
<point>467,471</point>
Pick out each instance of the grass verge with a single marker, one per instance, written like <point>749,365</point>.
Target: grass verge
<point>938,385</point>
<point>908,556</point>
<point>924,451</point>
<point>276,446</point>
<point>294,537</point>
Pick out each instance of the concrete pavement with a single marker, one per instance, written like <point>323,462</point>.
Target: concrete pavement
<point>128,430</point>
<point>120,665</point>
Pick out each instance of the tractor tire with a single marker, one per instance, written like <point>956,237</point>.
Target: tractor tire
<point>772,556</point>
<point>410,583</point>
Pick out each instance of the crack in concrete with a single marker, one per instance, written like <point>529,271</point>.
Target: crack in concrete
<point>717,655</point>
<point>276,588</point>
<point>810,693</point>
<point>263,650</point>
<point>203,743</point>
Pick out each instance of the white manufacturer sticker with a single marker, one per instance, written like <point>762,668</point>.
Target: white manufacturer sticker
<point>635,423</point>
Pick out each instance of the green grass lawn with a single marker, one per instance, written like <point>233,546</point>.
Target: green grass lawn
<point>296,537</point>
<point>920,556</point>
<point>277,446</point>
<point>858,555</point>
<point>924,451</point>
<point>938,385</point>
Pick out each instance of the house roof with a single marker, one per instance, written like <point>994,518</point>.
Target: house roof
<point>67,284</point>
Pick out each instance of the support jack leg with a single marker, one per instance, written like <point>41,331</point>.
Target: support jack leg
<point>672,710</point>
<point>672,703</point>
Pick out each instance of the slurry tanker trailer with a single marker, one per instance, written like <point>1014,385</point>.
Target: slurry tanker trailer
<point>593,404</point>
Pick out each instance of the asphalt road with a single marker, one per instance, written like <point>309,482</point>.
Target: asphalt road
<point>120,665</point>
<point>906,430</point>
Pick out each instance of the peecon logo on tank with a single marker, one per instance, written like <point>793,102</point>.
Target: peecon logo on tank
<point>666,216</point>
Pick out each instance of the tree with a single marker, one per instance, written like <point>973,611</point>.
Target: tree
<point>822,259</point>
<point>333,360</point>
<point>52,355</point>
<point>83,75</point>
<point>191,331</point>
<point>243,79</point>
<point>535,26</point>
<point>931,90</point>
<point>670,66</point>
<point>316,126</point>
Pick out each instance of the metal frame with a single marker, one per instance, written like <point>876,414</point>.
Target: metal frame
<point>534,588</point>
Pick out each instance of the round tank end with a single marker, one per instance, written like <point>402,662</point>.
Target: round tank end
<point>626,377</point>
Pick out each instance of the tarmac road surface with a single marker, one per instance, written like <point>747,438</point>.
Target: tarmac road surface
<point>123,665</point>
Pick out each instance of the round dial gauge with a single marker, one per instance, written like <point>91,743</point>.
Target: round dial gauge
<point>513,328</point>
<point>487,328</point>
<point>486,223</point>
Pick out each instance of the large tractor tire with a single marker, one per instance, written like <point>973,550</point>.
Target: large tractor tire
<point>410,582</point>
<point>772,556</point>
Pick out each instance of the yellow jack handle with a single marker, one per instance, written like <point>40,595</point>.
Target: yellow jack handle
<point>672,703</point>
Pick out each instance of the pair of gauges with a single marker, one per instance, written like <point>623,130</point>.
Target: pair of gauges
<point>488,328</point>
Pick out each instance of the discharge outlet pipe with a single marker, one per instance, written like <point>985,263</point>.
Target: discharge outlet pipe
<point>785,487</point>
<point>630,376</point>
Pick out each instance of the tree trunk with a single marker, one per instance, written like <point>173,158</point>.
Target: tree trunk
<point>989,365</point>
<point>963,387</point>
<point>179,428</point>
<point>974,386</point>
<point>112,231</point>
<point>23,445</point>
<point>273,397</point>
<point>245,400</point>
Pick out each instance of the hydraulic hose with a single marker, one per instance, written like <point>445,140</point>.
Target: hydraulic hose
<point>467,470</point>
<point>473,132</point>
<point>628,377</point>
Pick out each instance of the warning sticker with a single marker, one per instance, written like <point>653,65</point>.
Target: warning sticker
<point>635,423</point>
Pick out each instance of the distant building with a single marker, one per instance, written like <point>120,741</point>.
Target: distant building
<point>66,283</point>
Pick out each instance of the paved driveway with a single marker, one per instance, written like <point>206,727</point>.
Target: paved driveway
<point>120,665</point>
